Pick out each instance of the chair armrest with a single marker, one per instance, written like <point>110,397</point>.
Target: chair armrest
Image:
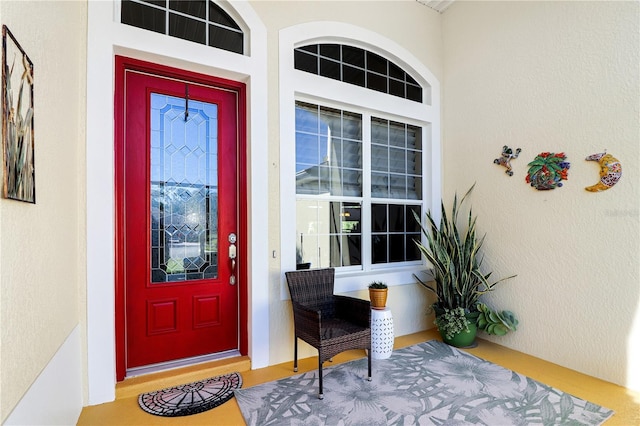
<point>306,320</point>
<point>354,310</point>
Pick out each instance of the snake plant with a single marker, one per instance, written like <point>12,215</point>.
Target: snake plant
<point>454,253</point>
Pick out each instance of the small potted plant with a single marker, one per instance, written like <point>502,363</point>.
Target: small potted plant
<point>378,294</point>
<point>457,279</point>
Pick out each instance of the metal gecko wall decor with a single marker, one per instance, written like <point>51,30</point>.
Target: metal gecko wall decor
<point>548,170</point>
<point>506,157</point>
<point>610,171</point>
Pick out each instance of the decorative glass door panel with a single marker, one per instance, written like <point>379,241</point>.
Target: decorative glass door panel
<point>184,189</point>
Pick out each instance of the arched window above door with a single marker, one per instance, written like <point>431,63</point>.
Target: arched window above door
<point>200,21</point>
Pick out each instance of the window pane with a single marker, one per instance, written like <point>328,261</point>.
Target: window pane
<point>306,117</point>
<point>352,154</point>
<point>397,162</point>
<point>379,249</point>
<point>352,126</point>
<point>414,188</point>
<point>141,16</point>
<point>397,186</point>
<point>379,131</point>
<point>184,191</point>
<point>196,8</point>
<point>353,75</point>
<point>379,158</point>
<point>396,248</point>
<point>335,152</point>
<point>412,251</point>
<point>305,62</point>
<point>396,72</point>
<point>379,217</point>
<point>330,51</point>
<point>414,93</point>
<point>307,151</point>
<point>353,245</point>
<point>376,82</point>
<point>334,181</point>
<point>412,224</point>
<point>352,183</point>
<point>379,185</point>
<point>330,69</point>
<point>187,29</point>
<point>330,122</point>
<point>217,15</point>
<point>326,176</point>
<point>396,88</point>
<point>396,218</point>
<point>353,55</point>
<point>311,48</point>
<point>306,231</point>
<point>376,63</point>
<point>397,134</point>
<point>226,39</point>
<point>414,137</point>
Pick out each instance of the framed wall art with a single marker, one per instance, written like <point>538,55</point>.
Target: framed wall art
<point>17,121</point>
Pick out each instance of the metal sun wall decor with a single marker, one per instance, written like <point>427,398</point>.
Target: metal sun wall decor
<point>506,157</point>
<point>17,120</point>
<point>610,171</point>
<point>547,171</point>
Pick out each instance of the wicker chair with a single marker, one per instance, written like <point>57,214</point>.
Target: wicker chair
<point>330,323</point>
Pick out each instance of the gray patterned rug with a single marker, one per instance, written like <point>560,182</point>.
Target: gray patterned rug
<point>427,384</point>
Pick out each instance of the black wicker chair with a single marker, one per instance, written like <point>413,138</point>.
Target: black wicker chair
<point>330,323</point>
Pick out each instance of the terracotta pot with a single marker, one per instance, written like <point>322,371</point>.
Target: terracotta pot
<point>378,297</point>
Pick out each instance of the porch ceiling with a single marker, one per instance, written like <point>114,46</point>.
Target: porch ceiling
<point>437,5</point>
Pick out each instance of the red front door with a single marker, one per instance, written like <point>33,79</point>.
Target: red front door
<point>178,212</point>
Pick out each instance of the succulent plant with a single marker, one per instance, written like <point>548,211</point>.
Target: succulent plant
<point>494,322</point>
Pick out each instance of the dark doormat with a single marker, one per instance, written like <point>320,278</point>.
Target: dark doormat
<point>191,398</point>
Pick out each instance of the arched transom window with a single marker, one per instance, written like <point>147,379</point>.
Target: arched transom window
<point>200,21</point>
<point>357,66</point>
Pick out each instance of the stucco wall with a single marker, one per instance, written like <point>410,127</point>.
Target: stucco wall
<point>42,264</point>
<point>559,77</point>
<point>407,23</point>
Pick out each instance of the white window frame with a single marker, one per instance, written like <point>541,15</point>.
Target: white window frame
<point>299,85</point>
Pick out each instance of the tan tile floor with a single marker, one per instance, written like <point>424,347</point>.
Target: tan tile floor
<point>125,410</point>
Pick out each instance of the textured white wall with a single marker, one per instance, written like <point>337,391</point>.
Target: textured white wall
<point>42,265</point>
<point>407,23</point>
<point>559,77</point>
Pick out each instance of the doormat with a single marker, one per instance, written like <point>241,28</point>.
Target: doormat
<point>426,384</point>
<point>191,398</point>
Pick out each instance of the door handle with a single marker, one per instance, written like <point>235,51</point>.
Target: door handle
<point>233,253</point>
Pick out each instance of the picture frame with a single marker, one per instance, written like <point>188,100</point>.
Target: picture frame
<point>17,121</point>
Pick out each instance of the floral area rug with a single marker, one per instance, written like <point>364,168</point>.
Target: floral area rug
<point>190,398</point>
<point>426,384</point>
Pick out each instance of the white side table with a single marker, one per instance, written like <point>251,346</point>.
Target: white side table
<point>382,337</point>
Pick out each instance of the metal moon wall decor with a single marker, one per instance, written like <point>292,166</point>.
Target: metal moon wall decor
<point>506,157</point>
<point>548,170</point>
<point>17,120</point>
<point>610,171</point>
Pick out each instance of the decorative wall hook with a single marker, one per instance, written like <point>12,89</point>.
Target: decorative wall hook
<point>610,171</point>
<point>506,157</point>
<point>547,171</point>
